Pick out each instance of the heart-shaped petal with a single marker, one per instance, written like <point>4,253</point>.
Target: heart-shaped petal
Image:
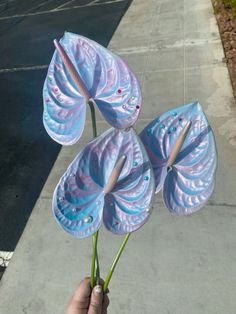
<point>82,198</point>
<point>189,180</point>
<point>108,81</point>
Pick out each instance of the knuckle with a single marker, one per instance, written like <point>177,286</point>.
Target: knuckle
<point>95,305</point>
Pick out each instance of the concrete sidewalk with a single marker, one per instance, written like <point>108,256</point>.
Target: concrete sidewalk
<point>172,265</point>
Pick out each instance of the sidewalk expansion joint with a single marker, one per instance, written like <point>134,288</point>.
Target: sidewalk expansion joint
<point>29,68</point>
<point>59,10</point>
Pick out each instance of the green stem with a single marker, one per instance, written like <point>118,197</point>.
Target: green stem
<point>95,235</point>
<point>113,266</point>
<point>94,257</point>
<point>97,270</point>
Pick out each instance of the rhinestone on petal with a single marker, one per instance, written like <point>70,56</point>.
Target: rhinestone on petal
<point>146,178</point>
<point>149,209</point>
<point>135,163</point>
<point>75,209</point>
<point>88,219</point>
<point>162,126</point>
<point>132,101</point>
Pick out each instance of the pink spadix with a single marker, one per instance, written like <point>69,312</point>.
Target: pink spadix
<point>72,71</point>
<point>115,174</point>
<point>178,144</point>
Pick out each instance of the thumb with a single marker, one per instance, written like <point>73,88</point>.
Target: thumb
<point>96,300</point>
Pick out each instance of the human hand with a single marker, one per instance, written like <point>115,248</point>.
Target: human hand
<point>88,301</point>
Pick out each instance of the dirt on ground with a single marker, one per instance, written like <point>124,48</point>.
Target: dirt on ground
<point>226,19</point>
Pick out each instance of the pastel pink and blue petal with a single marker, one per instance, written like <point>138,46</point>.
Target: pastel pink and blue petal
<point>108,80</point>
<point>189,182</point>
<point>80,202</point>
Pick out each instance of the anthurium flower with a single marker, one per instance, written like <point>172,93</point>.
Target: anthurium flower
<point>181,146</point>
<point>82,71</point>
<point>110,180</point>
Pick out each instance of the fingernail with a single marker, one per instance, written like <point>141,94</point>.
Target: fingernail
<point>98,289</point>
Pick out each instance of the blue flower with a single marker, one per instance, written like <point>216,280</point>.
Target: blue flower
<point>92,74</point>
<point>110,180</point>
<point>182,151</point>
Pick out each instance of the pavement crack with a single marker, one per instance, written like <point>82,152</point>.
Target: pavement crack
<point>29,68</point>
<point>212,203</point>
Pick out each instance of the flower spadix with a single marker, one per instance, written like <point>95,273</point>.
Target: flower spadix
<point>82,71</point>
<point>110,180</point>
<point>181,146</point>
